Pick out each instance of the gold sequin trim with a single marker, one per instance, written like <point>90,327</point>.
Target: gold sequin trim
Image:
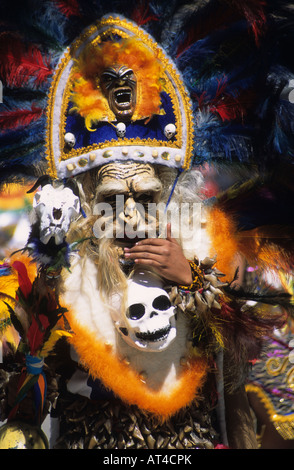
<point>284,425</point>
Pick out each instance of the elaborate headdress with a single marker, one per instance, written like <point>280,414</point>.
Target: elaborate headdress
<point>83,130</point>
<point>230,57</point>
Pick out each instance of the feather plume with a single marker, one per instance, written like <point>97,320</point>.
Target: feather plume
<point>25,284</point>
<point>53,338</point>
<point>68,7</point>
<point>254,12</point>
<point>15,321</point>
<point>19,117</point>
<point>36,332</point>
<point>21,64</point>
<point>142,14</point>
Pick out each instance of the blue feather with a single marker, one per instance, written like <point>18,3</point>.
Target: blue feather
<point>215,140</point>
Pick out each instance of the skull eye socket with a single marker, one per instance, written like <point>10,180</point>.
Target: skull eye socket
<point>161,303</point>
<point>135,311</point>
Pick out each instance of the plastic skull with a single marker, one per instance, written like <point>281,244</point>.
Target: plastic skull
<point>170,131</point>
<point>150,322</point>
<point>56,208</point>
<point>121,129</point>
<point>70,139</point>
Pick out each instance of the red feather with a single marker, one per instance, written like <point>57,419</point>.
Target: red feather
<point>141,13</point>
<point>230,107</point>
<point>19,63</point>
<point>24,282</point>
<point>19,117</point>
<point>227,106</point>
<point>253,11</point>
<point>36,332</point>
<point>68,7</point>
<point>204,27</point>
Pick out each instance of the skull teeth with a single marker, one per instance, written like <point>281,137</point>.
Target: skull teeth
<point>155,335</point>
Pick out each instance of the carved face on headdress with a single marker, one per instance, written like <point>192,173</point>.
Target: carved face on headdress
<point>123,194</point>
<point>117,81</point>
<point>119,86</point>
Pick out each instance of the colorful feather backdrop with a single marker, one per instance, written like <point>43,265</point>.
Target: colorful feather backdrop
<point>232,56</point>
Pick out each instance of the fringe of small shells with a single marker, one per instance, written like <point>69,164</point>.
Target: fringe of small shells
<point>206,298</point>
<point>113,425</point>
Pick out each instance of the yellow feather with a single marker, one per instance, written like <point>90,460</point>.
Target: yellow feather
<point>50,343</point>
<point>10,335</point>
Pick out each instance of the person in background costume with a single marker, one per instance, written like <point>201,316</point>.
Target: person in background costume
<point>131,330</point>
<point>270,383</point>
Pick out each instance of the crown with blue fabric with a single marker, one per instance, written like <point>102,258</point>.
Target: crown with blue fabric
<point>117,96</point>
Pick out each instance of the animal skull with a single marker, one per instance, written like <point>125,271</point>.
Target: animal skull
<point>56,208</point>
<point>149,322</point>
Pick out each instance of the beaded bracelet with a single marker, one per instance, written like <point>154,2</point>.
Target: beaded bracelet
<point>197,276</point>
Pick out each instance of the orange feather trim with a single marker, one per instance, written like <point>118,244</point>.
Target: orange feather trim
<point>268,247</point>
<point>222,232</point>
<point>117,376</point>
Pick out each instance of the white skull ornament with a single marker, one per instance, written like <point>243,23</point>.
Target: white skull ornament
<point>56,208</point>
<point>70,140</point>
<point>170,131</point>
<point>121,129</point>
<point>150,322</point>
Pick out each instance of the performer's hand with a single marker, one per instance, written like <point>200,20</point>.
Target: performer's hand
<point>164,255</point>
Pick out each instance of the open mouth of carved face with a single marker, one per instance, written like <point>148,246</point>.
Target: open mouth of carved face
<point>121,101</point>
<point>123,98</point>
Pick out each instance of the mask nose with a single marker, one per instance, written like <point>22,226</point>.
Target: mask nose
<point>130,209</point>
<point>57,213</point>
<point>153,314</point>
<point>131,216</point>
<point>120,82</point>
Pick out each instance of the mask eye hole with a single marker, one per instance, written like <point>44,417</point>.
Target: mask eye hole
<point>161,303</point>
<point>135,311</point>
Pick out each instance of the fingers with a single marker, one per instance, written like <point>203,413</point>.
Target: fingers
<point>137,249</point>
<point>150,262</point>
<point>150,241</point>
<point>169,235</point>
<point>156,241</point>
<point>147,254</point>
<point>168,232</point>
